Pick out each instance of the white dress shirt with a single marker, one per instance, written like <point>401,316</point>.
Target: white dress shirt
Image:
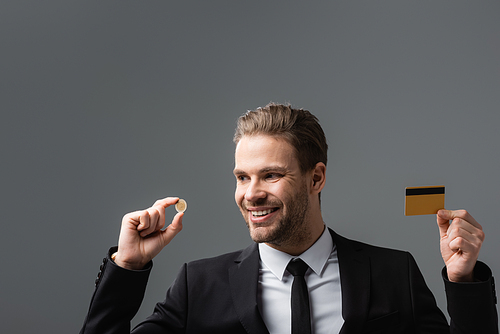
<point>323,284</point>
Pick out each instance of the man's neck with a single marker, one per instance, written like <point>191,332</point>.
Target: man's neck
<point>296,248</point>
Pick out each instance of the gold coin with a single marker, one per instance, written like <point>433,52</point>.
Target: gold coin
<point>181,205</point>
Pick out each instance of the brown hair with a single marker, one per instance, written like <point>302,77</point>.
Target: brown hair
<point>298,127</point>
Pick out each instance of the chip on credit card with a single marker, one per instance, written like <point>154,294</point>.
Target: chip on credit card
<point>426,200</point>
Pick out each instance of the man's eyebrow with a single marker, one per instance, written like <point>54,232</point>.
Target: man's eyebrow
<point>238,172</point>
<point>278,169</point>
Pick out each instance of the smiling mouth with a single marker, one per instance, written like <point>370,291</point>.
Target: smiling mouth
<point>263,212</point>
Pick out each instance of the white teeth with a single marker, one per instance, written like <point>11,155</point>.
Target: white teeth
<point>261,213</point>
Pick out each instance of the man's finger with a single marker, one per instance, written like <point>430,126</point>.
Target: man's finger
<point>143,220</point>
<point>166,202</point>
<point>156,214</point>
<point>461,214</point>
<point>466,227</point>
<point>171,231</point>
<point>465,245</point>
<point>161,219</point>
<point>154,221</point>
<point>443,221</point>
<point>444,217</point>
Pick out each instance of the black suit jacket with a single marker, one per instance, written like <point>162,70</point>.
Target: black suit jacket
<point>383,291</point>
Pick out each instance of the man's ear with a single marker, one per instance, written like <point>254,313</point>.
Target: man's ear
<point>318,177</point>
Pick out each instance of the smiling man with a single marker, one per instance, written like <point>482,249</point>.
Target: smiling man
<point>273,194</point>
<point>298,276</point>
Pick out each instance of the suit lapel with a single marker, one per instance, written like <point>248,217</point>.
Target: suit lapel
<point>354,266</point>
<point>243,281</point>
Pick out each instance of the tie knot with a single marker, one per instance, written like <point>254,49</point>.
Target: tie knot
<point>297,267</point>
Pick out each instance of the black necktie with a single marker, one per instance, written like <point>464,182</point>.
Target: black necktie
<point>301,318</point>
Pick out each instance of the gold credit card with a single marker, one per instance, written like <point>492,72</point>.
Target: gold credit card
<point>424,200</point>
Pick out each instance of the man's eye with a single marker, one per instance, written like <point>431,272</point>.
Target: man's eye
<point>273,176</point>
<point>242,178</point>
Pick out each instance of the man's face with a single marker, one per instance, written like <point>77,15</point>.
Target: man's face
<point>271,192</point>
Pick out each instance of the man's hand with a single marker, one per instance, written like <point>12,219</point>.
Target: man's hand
<point>142,237</point>
<point>460,243</point>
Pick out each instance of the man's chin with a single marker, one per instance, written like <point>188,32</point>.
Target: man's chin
<point>263,235</point>
<point>258,235</point>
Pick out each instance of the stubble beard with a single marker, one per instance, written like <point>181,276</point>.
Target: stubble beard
<point>292,229</point>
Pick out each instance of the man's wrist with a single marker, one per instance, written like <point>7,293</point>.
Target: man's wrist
<point>115,257</point>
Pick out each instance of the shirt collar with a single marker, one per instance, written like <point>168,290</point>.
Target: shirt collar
<point>315,256</point>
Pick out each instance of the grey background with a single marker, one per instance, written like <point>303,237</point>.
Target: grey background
<point>108,106</point>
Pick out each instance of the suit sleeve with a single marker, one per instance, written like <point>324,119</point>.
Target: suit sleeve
<point>117,297</point>
<point>170,315</point>
<point>472,306</point>
<point>427,317</point>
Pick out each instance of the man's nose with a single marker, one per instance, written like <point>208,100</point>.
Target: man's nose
<point>255,192</point>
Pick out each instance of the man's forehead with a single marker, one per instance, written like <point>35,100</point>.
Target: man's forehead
<point>261,144</point>
<point>264,152</point>
<point>259,141</point>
